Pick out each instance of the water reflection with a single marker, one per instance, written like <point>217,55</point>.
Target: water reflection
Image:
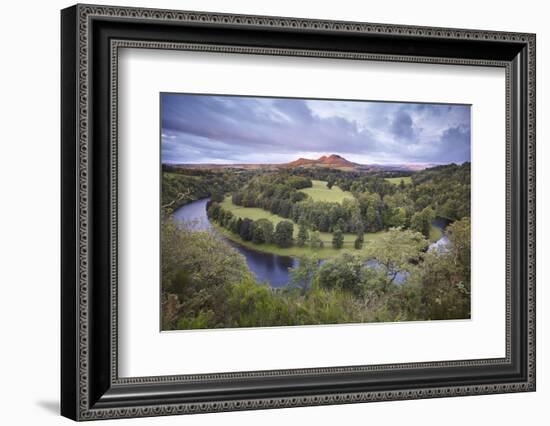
<point>267,267</point>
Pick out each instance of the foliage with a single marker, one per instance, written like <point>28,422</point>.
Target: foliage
<point>262,231</point>
<point>445,188</point>
<point>303,235</point>
<point>302,275</point>
<point>376,203</point>
<point>358,243</point>
<point>346,273</point>
<point>196,266</point>
<point>245,230</point>
<point>387,218</point>
<point>315,240</point>
<point>283,234</point>
<point>181,186</point>
<point>397,251</point>
<point>422,221</point>
<point>338,239</point>
<point>206,284</point>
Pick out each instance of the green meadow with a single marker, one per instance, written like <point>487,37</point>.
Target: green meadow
<point>320,192</point>
<point>397,180</point>
<point>255,213</point>
<point>326,252</point>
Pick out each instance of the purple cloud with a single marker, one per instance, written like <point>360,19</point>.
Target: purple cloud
<point>208,128</point>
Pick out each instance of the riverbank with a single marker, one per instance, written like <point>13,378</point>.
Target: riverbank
<point>294,251</point>
<point>269,262</point>
<point>256,213</point>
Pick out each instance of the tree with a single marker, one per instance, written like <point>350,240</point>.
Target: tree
<point>249,199</point>
<point>338,239</point>
<point>235,225</point>
<point>402,185</point>
<point>237,198</point>
<point>345,185</point>
<point>324,223</point>
<point>360,239</point>
<point>250,304</point>
<point>398,217</point>
<point>302,275</point>
<point>450,209</point>
<point>422,221</point>
<point>346,272</point>
<point>275,203</point>
<point>396,251</point>
<point>298,196</point>
<point>225,218</point>
<point>370,205</point>
<point>423,201</point>
<point>196,269</point>
<point>315,240</point>
<point>214,211</point>
<point>303,235</point>
<point>245,231</point>
<point>216,197</point>
<point>257,234</point>
<point>283,234</point>
<point>284,208</point>
<point>262,231</point>
<point>459,235</point>
<point>445,277</point>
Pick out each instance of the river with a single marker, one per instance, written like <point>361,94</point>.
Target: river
<point>442,244</point>
<point>270,268</point>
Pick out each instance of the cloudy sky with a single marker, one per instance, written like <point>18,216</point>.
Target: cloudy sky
<point>235,129</point>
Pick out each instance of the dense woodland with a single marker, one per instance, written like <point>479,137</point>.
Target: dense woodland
<point>376,205</point>
<point>181,186</point>
<point>206,283</point>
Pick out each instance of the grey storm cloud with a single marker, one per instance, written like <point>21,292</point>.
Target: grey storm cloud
<point>215,128</point>
<point>402,126</point>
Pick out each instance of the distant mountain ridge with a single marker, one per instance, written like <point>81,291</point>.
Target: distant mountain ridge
<point>333,161</point>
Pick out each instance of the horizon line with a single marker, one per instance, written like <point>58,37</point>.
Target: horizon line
<point>276,164</point>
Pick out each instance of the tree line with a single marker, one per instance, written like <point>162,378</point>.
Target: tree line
<point>206,283</point>
<point>259,231</point>
<point>262,231</point>
<point>377,204</point>
<point>181,186</point>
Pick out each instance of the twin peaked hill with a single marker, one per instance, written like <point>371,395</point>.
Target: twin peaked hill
<point>333,161</point>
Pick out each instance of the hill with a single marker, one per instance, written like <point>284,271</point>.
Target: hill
<point>333,161</point>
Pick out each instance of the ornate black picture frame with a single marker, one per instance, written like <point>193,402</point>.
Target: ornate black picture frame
<point>91,36</point>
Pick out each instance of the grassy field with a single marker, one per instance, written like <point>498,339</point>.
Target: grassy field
<point>397,180</point>
<point>320,192</point>
<point>255,213</point>
<point>326,252</point>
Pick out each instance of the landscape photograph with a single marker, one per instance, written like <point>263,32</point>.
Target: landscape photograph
<point>296,211</point>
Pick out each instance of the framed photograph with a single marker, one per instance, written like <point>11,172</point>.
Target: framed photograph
<point>263,212</point>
